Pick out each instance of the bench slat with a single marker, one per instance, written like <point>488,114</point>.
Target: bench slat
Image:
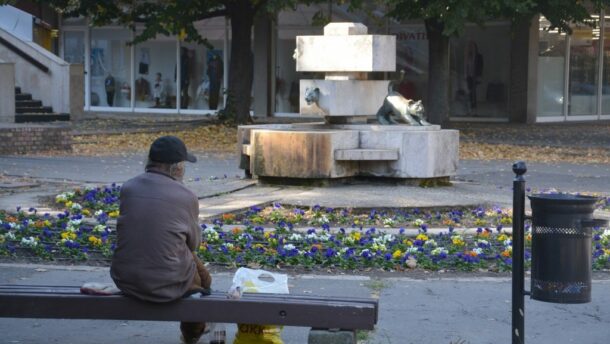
<point>290,310</point>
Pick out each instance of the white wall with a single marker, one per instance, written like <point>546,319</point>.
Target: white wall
<point>52,88</point>
<point>16,22</point>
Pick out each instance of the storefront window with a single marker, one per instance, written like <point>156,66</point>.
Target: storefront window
<point>290,25</point>
<point>74,46</point>
<point>551,67</point>
<point>584,43</point>
<point>480,71</point>
<point>412,58</point>
<point>203,68</point>
<point>155,69</point>
<point>110,68</point>
<point>606,67</point>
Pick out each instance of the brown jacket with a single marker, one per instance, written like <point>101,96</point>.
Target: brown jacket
<point>156,232</point>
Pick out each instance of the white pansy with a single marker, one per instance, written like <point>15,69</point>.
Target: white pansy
<point>507,242</point>
<point>99,228</point>
<point>349,240</point>
<point>438,251</point>
<point>389,222</point>
<point>76,206</point>
<point>312,236</point>
<point>63,197</point>
<point>430,243</point>
<point>418,222</point>
<point>378,247</point>
<point>295,237</point>
<point>29,241</point>
<point>478,251</point>
<point>324,236</point>
<point>384,239</point>
<point>412,249</point>
<point>483,242</point>
<point>98,213</point>
<point>289,247</point>
<point>10,236</point>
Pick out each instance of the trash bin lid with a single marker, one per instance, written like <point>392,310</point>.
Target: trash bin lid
<point>564,198</point>
<point>563,201</point>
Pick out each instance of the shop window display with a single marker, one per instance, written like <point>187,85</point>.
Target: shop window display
<point>583,82</point>
<point>110,67</point>
<point>478,87</point>
<point>74,46</point>
<point>204,86</point>
<point>155,63</point>
<point>606,67</point>
<point>551,66</point>
<point>411,60</point>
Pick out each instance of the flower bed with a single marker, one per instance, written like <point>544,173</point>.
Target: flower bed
<point>268,236</point>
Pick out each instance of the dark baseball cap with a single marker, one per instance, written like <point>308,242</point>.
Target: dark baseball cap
<point>169,150</point>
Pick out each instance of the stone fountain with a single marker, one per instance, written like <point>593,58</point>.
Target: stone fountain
<point>344,145</point>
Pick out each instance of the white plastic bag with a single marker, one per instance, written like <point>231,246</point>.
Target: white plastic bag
<point>258,281</point>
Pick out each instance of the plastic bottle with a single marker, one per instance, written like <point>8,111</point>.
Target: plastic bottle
<point>218,334</point>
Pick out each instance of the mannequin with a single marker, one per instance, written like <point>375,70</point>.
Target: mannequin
<point>109,86</point>
<point>473,62</point>
<point>215,74</point>
<point>184,78</point>
<point>158,90</point>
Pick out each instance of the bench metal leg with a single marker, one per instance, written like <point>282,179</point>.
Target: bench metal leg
<point>331,336</point>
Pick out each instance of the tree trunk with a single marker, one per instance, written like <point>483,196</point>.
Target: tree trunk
<point>437,101</point>
<point>237,109</point>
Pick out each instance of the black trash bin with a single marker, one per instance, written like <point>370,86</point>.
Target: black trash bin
<point>561,247</point>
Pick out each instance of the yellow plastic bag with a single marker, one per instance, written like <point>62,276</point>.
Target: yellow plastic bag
<point>259,281</point>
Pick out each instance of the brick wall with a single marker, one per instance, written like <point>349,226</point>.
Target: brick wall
<point>34,139</point>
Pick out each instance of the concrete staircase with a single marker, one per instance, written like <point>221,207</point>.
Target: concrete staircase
<point>31,110</point>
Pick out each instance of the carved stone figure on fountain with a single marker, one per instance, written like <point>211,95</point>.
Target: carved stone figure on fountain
<point>397,109</point>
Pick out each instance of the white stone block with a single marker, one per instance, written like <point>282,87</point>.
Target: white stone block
<point>301,153</point>
<point>366,154</point>
<point>345,29</point>
<point>422,153</point>
<point>344,97</point>
<point>359,53</point>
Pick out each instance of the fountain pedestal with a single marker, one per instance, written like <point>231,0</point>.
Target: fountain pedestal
<point>329,151</point>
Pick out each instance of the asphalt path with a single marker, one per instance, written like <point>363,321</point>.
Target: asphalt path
<point>453,309</point>
<point>434,310</point>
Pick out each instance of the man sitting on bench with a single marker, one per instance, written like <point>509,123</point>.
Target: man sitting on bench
<point>158,232</point>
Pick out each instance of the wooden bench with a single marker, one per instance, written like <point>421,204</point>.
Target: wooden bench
<point>335,315</point>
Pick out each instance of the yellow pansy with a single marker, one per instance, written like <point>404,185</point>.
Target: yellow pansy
<point>397,254</point>
<point>458,241</point>
<point>356,235</point>
<point>113,214</point>
<point>422,237</point>
<point>68,235</point>
<point>407,242</point>
<point>95,241</point>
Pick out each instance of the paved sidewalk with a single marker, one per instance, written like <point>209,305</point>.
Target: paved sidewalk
<point>418,309</point>
<point>435,309</point>
<point>220,186</point>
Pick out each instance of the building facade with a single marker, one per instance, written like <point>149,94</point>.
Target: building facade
<point>498,72</point>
